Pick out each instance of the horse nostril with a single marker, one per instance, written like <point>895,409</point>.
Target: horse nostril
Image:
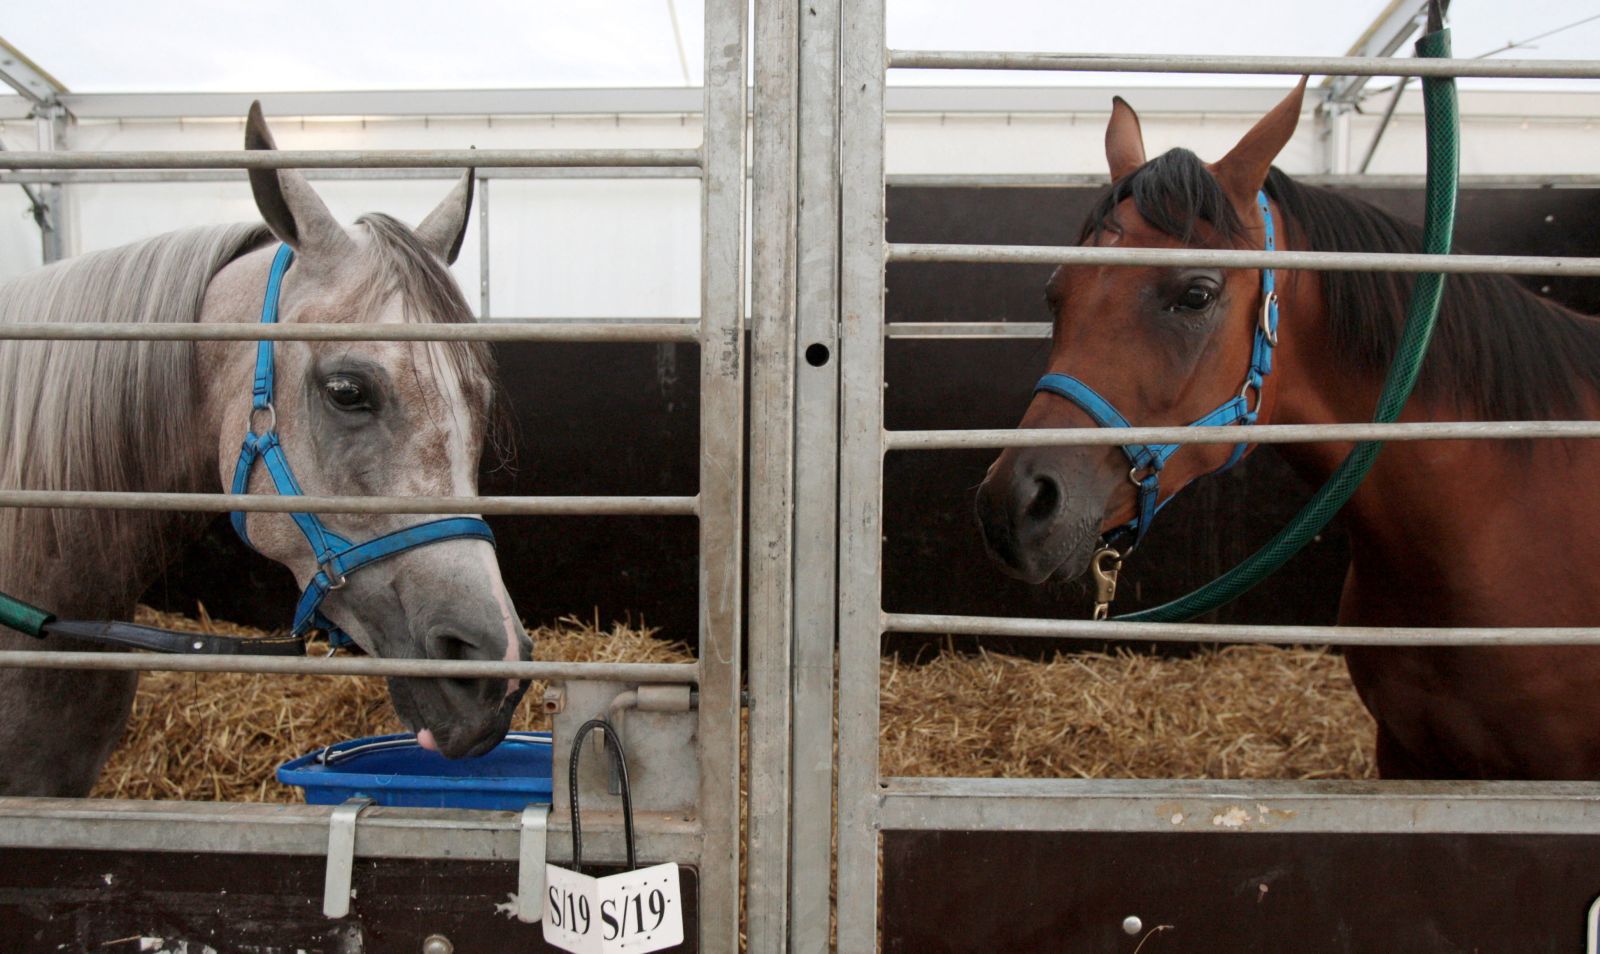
<point>448,645</point>
<point>1046,499</point>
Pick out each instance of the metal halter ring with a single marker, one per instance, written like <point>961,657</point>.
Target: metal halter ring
<point>1137,478</point>
<point>1246,390</point>
<point>1265,319</point>
<point>272,419</point>
<point>336,580</point>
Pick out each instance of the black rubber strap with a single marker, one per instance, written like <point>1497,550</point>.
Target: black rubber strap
<point>615,744</point>
<point>133,636</point>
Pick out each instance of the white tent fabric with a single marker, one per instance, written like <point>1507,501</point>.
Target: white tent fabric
<point>630,248</point>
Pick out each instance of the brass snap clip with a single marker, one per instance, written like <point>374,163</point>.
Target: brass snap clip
<point>1106,565</point>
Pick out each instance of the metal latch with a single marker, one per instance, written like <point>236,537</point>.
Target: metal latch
<point>530,863</point>
<point>341,857</point>
<point>650,698</point>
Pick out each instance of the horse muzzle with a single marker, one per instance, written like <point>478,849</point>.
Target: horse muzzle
<point>459,718</point>
<point>1040,512</point>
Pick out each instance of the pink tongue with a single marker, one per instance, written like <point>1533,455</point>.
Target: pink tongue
<point>425,739</point>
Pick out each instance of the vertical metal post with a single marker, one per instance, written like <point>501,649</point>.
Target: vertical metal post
<point>721,468</point>
<point>50,123</point>
<point>1333,136</point>
<point>861,245</point>
<point>772,450</point>
<point>483,249</point>
<point>816,501</point>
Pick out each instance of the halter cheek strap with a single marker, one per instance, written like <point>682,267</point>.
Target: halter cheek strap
<point>1146,460</point>
<point>336,557</point>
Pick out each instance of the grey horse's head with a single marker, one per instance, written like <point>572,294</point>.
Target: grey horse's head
<point>377,418</point>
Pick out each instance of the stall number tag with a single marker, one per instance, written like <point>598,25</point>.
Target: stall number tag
<point>636,911</point>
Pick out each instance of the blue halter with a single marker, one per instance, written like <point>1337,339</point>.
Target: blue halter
<point>336,557</point>
<point>1146,460</point>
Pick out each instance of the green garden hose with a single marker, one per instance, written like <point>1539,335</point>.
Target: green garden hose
<point>1439,98</point>
<point>22,616</point>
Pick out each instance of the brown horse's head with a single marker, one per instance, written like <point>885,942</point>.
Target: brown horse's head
<point>1164,346</point>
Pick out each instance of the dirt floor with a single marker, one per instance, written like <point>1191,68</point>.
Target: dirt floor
<point>1237,712</point>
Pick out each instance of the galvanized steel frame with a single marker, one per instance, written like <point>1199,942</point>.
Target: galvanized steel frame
<point>711,839</point>
<point>774,302</point>
<point>869,803</point>
<point>817,338</point>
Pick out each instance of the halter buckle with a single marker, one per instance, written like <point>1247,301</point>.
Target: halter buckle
<point>1105,566</point>
<point>336,580</point>
<point>272,419</point>
<point>1268,302</point>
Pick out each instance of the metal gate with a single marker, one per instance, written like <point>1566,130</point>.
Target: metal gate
<point>817,444</point>
<point>869,804</point>
<point>699,823</point>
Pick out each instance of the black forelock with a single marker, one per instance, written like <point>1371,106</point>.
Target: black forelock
<point>1175,193</point>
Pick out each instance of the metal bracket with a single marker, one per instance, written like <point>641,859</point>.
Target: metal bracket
<point>665,698</point>
<point>341,857</point>
<point>530,863</point>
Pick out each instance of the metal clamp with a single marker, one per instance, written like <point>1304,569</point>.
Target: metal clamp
<point>530,863</point>
<point>341,857</point>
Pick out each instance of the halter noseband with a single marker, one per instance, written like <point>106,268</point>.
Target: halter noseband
<point>336,557</point>
<point>1146,460</point>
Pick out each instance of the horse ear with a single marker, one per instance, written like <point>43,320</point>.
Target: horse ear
<point>1243,170</point>
<point>1124,139</point>
<point>445,227</point>
<point>294,213</point>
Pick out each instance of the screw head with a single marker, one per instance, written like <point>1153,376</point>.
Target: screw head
<point>1132,925</point>
<point>437,944</point>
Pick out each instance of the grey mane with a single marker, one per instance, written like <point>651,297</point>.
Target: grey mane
<point>104,415</point>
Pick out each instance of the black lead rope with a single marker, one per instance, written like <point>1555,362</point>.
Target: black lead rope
<point>134,636</point>
<point>615,744</point>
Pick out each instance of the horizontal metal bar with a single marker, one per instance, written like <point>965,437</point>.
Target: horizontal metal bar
<point>1244,258</point>
<point>1278,65</point>
<point>1254,434</point>
<point>903,180</point>
<point>493,330</point>
<point>669,673</point>
<point>967,329</point>
<point>76,824</point>
<point>655,104</point>
<point>1285,807</point>
<point>267,503</point>
<point>351,159</point>
<point>1015,180</point>
<point>404,103</point>
<point>1246,103</point>
<point>148,176</point>
<point>1240,633</point>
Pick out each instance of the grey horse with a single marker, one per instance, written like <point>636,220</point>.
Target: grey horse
<point>389,418</point>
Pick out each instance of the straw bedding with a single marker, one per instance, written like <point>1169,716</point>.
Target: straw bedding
<point>1238,712</point>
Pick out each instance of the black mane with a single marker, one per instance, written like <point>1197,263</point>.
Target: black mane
<point>1498,349</point>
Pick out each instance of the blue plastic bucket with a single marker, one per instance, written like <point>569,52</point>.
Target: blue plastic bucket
<point>395,770</point>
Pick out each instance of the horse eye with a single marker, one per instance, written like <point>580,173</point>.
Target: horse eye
<point>346,392</point>
<point>1196,298</point>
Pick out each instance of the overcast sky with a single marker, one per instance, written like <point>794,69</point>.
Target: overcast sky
<point>189,45</point>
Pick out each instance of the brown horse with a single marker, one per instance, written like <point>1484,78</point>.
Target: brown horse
<point>1461,533</point>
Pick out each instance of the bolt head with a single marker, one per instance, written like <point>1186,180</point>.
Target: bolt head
<point>1132,925</point>
<point>437,944</point>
